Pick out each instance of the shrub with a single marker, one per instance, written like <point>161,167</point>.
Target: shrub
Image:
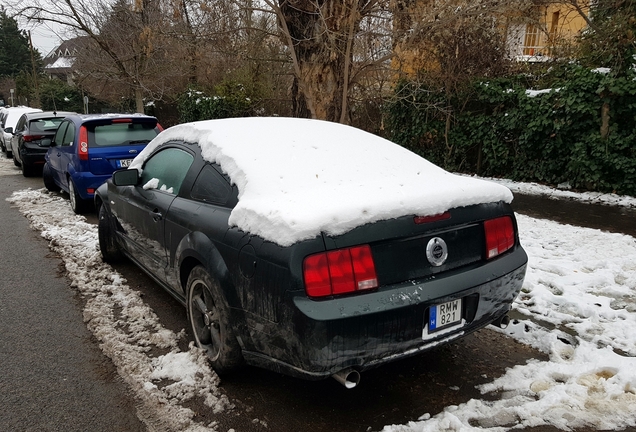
<point>581,131</point>
<point>229,99</point>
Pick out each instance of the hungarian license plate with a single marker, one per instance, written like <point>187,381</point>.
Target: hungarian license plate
<point>445,314</point>
<point>124,163</point>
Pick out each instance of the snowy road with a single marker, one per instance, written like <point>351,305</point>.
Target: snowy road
<point>578,306</point>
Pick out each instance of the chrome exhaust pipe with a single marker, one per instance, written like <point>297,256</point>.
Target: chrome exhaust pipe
<point>348,377</point>
<point>502,322</point>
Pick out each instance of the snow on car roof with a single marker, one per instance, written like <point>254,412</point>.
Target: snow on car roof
<point>298,177</point>
<point>101,116</point>
<point>14,114</point>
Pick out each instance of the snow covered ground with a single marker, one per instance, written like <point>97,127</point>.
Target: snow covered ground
<point>578,305</point>
<point>579,298</point>
<point>564,192</point>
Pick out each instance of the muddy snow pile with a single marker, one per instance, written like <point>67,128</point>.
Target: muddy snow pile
<point>127,328</point>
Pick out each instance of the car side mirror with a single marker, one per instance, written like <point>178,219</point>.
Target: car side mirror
<point>9,130</point>
<point>46,142</point>
<point>126,177</point>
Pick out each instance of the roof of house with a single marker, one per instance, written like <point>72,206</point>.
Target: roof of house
<point>63,57</point>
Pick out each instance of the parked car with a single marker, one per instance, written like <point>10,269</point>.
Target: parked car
<point>8,120</point>
<point>312,248</point>
<point>87,148</point>
<point>27,144</point>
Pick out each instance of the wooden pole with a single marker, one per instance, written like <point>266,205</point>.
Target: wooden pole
<point>36,103</point>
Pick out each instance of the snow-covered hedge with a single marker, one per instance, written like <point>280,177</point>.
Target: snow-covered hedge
<point>226,101</point>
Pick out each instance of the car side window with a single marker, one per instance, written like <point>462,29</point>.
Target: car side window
<point>21,124</point>
<point>69,135</point>
<point>59,134</point>
<point>210,186</point>
<point>166,170</point>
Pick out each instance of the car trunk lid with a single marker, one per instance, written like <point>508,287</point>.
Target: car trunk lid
<point>105,161</point>
<point>411,248</point>
<point>114,143</point>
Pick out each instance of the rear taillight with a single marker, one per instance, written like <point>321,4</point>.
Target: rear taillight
<point>500,236</point>
<point>30,138</point>
<point>339,272</point>
<point>159,127</point>
<point>82,148</point>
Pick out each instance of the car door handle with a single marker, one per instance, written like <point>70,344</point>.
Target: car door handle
<point>156,215</point>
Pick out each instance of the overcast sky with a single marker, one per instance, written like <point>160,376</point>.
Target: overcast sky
<point>45,37</point>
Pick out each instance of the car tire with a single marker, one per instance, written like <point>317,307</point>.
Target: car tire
<point>106,232</point>
<point>15,161</point>
<point>47,178</point>
<point>78,204</point>
<point>28,170</point>
<point>8,153</point>
<point>208,314</point>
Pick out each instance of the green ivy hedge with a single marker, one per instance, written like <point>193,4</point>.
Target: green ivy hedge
<point>496,128</point>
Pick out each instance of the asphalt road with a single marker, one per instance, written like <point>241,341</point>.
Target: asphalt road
<point>53,376</point>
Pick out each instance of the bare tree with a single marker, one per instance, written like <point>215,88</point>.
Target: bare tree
<point>334,44</point>
<point>341,54</point>
<point>124,36</point>
<point>420,24</point>
<point>442,46</point>
<point>321,36</point>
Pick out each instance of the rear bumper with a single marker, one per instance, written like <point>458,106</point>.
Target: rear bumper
<point>86,180</point>
<point>321,338</point>
<point>32,158</point>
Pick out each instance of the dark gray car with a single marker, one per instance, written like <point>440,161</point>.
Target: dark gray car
<point>325,305</point>
<point>31,139</point>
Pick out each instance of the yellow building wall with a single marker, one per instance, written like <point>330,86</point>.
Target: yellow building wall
<point>558,26</point>
<point>552,28</point>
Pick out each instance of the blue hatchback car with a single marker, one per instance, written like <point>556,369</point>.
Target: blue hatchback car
<point>87,148</point>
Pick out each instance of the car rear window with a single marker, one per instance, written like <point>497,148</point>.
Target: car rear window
<point>45,125</point>
<point>118,134</point>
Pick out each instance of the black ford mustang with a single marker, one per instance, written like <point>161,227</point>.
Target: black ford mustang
<point>329,302</point>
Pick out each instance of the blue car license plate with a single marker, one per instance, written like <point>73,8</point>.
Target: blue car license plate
<point>124,163</point>
<point>445,314</point>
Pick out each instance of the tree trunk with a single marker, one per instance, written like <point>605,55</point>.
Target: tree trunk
<point>605,120</point>
<point>139,100</point>
<point>320,32</point>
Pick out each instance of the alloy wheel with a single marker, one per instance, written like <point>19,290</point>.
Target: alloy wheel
<point>205,319</point>
<point>71,195</point>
